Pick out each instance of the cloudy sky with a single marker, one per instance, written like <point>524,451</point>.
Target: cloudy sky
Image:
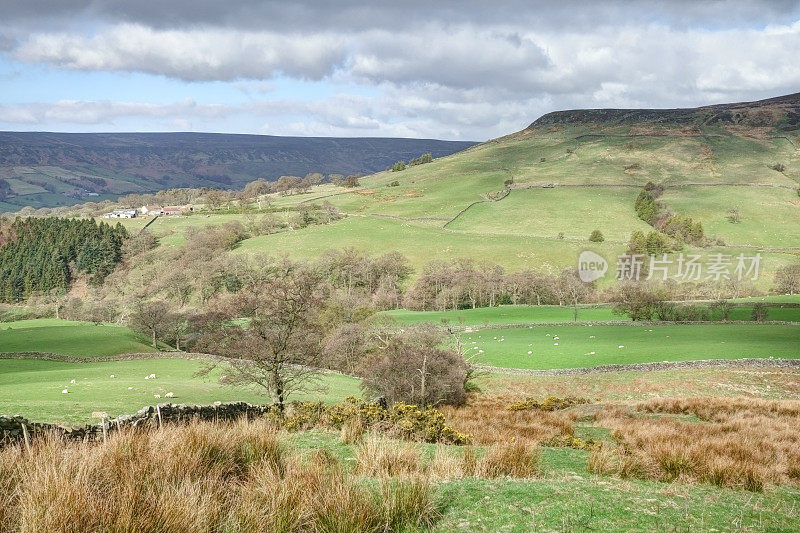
<point>468,70</point>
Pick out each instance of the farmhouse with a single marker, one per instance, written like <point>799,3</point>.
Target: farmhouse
<point>121,213</point>
<point>177,209</point>
<point>152,210</point>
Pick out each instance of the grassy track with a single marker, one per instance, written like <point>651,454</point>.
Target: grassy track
<point>78,339</point>
<point>33,387</point>
<point>509,348</point>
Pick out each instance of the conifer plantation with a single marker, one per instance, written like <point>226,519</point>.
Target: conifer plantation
<point>43,254</point>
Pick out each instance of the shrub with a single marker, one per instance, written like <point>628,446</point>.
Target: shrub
<point>395,183</point>
<point>411,367</point>
<point>551,403</point>
<point>421,160</point>
<point>399,166</point>
<point>596,236</point>
<point>759,312</point>
<point>778,167</point>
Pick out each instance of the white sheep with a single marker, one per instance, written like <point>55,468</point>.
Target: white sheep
<point>156,396</point>
<point>130,388</point>
<point>217,403</point>
<point>65,391</point>
<point>620,346</point>
<point>152,376</point>
<point>112,376</point>
<point>169,395</point>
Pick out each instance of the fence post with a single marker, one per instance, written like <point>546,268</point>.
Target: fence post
<point>26,437</point>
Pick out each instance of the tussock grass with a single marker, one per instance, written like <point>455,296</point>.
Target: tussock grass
<point>738,443</point>
<point>489,421</point>
<point>512,459</point>
<point>203,477</point>
<point>377,456</point>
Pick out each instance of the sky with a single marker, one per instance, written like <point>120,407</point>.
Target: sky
<point>461,70</point>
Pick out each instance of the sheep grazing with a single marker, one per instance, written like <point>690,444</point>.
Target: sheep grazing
<point>169,395</point>
<point>217,403</point>
<point>72,381</point>
<point>156,396</point>
<point>620,346</point>
<point>65,391</point>
<point>130,388</point>
<point>152,376</point>
<point>530,352</point>
<point>112,376</point>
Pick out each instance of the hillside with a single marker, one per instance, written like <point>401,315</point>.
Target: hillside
<point>51,169</point>
<point>531,199</point>
<point>781,113</point>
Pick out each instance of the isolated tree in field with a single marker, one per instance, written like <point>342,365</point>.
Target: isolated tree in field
<point>399,166</point>
<point>279,346</point>
<point>149,318</point>
<point>410,366</point>
<point>335,179</point>
<point>787,279</point>
<point>596,236</point>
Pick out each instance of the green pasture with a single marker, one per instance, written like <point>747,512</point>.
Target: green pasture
<point>530,314</point>
<point>508,348</point>
<point>34,387</point>
<point>78,339</point>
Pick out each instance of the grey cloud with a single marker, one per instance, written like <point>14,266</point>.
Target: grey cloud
<point>347,15</point>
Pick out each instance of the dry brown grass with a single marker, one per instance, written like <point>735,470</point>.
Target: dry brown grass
<point>489,421</point>
<point>378,456</point>
<point>201,477</point>
<point>739,443</point>
<point>511,459</point>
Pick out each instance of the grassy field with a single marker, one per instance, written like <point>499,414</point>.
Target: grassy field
<point>504,314</point>
<point>573,211</point>
<point>763,211</point>
<point>420,242</point>
<point>588,346</point>
<point>529,314</point>
<point>33,387</point>
<point>78,339</point>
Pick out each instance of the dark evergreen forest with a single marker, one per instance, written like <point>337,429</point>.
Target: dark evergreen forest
<point>43,254</point>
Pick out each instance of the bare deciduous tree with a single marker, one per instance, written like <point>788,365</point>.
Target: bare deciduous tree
<point>279,346</point>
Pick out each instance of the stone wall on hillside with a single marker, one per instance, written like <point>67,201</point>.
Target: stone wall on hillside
<point>14,428</point>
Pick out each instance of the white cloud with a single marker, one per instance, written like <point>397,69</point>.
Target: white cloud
<point>197,54</point>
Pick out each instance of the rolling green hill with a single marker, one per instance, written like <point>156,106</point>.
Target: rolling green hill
<point>531,199</point>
